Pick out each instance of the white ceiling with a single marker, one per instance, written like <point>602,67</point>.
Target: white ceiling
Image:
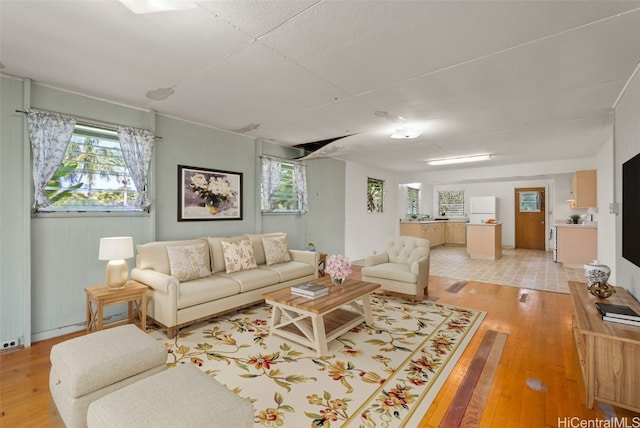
<point>523,80</point>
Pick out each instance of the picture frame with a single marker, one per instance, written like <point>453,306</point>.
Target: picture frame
<point>206,194</point>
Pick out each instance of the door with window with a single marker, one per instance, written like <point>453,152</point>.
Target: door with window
<point>530,218</point>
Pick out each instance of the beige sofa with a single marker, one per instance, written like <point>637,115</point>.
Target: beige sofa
<point>196,279</point>
<point>403,267</point>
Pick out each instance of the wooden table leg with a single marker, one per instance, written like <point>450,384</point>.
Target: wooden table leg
<point>89,315</point>
<point>366,309</point>
<point>276,316</point>
<point>320,337</point>
<point>100,315</point>
<point>143,312</point>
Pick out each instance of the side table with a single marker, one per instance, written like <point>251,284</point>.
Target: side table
<point>322,263</point>
<point>134,293</point>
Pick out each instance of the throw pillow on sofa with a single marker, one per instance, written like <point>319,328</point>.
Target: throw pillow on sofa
<point>189,262</point>
<point>276,249</point>
<point>238,255</point>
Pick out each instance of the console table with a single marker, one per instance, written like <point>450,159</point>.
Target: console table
<point>609,352</point>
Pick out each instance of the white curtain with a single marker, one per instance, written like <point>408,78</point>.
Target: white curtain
<point>50,134</point>
<point>137,147</point>
<point>270,181</point>
<point>300,175</point>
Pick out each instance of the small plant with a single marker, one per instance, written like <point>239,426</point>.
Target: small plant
<point>575,218</point>
<point>311,246</point>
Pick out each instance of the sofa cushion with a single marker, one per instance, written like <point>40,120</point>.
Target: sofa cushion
<point>238,255</point>
<point>290,270</point>
<point>206,289</point>
<point>276,249</point>
<point>258,248</point>
<point>253,279</point>
<point>189,261</point>
<point>392,271</point>
<point>153,255</point>
<point>217,258</point>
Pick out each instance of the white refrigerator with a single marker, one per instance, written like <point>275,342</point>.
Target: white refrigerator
<point>482,208</point>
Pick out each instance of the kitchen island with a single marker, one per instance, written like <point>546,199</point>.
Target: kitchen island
<point>484,240</point>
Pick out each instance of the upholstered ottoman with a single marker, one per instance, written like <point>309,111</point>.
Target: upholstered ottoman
<point>88,367</point>
<point>180,397</point>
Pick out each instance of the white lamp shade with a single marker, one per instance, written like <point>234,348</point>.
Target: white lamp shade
<point>116,248</point>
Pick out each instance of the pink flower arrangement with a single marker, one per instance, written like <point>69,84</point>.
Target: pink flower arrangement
<point>338,266</point>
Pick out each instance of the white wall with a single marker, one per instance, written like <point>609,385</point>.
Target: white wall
<point>626,146</point>
<point>367,232</point>
<point>606,220</point>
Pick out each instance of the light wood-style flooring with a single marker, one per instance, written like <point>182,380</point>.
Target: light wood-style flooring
<point>537,382</point>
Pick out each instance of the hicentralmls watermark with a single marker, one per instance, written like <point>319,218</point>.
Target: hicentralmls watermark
<point>576,422</point>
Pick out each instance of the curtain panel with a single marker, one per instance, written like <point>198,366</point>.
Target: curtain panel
<point>50,134</point>
<point>137,148</point>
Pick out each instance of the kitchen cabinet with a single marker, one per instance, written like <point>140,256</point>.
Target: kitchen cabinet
<point>433,231</point>
<point>456,233</point>
<point>583,189</point>
<point>410,229</point>
<point>576,244</point>
<point>484,241</point>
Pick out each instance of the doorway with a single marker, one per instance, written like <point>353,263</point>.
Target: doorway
<point>530,218</point>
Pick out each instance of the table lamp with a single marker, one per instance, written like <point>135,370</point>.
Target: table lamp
<point>116,249</point>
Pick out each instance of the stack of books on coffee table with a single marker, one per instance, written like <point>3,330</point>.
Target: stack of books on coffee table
<point>622,314</point>
<point>310,290</point>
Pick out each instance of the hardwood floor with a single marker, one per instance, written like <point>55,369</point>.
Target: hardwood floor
<point>537,382</point>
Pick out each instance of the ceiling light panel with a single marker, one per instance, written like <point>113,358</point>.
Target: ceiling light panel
<point>463,159</point>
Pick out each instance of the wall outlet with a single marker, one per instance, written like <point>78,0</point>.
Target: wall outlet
<point>11,343</point>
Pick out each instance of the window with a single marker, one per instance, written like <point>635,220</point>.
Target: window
<point>284,186</point>
<point>451,203</point>
<point>285,198</point>
<point>413,201</point>
<point>93,175</point>
<point>375,195</point>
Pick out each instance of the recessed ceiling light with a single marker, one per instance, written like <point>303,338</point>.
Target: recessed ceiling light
<point>150,6</point>
<point>462,159</point>
<point>406,132</point>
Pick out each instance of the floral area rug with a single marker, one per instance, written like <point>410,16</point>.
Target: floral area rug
<point>385,375</point>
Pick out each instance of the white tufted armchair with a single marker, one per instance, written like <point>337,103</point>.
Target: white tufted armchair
<point>402,268</point>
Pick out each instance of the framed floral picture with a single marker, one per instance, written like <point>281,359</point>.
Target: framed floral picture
<point>209,194</point>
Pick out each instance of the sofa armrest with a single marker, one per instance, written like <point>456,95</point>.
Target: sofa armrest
<point>376,259</point>
<point>421,267</point>
<point>156,280</point>
<point>308,257</point>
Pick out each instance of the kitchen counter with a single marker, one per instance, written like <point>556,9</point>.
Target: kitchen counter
<point>580,226</point>
<point>486,224</point>
<point>461,220</point>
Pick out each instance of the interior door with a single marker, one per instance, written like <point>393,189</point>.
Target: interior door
<point>530,218</point>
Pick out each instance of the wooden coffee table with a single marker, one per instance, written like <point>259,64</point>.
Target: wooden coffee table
<point>315,322</point>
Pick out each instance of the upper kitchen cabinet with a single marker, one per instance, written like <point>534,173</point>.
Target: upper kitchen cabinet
<point>584,189</point>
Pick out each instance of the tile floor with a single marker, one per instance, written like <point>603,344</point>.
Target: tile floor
<point>519,268</point>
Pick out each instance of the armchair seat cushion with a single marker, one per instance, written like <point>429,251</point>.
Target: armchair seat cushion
<point>392,271</point>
